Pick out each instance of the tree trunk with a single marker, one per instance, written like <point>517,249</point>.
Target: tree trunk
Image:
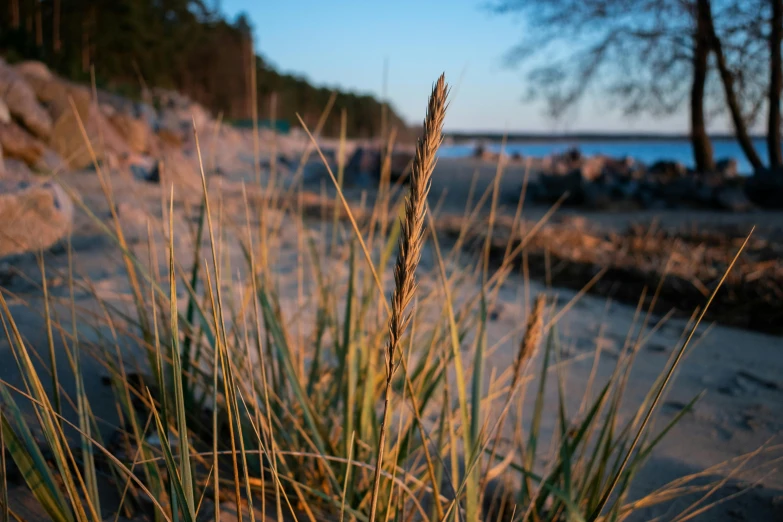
<point>38,25</point>
<point>85,46</point>
<point>15,18</point>
<point>727,79</point>
<point>775,85</point>
<point>702,147</point>
<point>56,26</point>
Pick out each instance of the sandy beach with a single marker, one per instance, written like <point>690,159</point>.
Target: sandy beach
<point>733,431</point>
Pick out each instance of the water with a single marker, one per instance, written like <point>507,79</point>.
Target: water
<point>645,151</point>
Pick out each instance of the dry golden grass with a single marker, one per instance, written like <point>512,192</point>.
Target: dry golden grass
<point>409,253</point>
<point>308,414</point>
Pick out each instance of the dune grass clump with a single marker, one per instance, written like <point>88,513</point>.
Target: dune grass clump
<point>344,406</point>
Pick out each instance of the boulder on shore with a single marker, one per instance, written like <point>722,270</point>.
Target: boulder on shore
<point>69,141</point>
<point>21,101</point>
<point>33,216</point>
<point>666,171</point>
<point>765,188</point>
<point>134,132</point>
<point>369,161</point>
<point>554,186</point>
<point>732,198</point>
<point>5,114</point>
<point>17,143</point>
<point>727,168</point>
<point>34,69</point>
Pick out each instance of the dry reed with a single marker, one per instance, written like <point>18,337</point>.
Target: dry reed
<point>532,338</point>
<point>409,253</point>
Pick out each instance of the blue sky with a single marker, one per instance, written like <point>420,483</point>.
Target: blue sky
<point>344,43</point>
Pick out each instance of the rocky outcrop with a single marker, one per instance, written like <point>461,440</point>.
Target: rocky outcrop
<point>21,101</point>
<point>18,143</point>
<point>5,114</point>
<point>765,188</point>
<point>134,131</point>
<point>33,216</point>
<point>34,69</point>
<point>369,161</point>
<point>604,183</point>
<point>68,138</point>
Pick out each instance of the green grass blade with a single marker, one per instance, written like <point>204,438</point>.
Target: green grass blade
<point>180,411</point>
<point>31,463</point>
<point>286,358</point>
<point>473,494</point>
<point>192,300</point>
<point>178,496</point>
<point>50,339</point>
<point>605,497</point>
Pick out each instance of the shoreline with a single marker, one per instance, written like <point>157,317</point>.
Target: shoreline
<point>526,137</point>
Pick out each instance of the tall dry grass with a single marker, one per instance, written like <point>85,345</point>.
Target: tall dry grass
<point>375,413</point>
<point>409,254</point>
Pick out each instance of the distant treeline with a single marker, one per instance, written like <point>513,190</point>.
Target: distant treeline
<point>185,45</point>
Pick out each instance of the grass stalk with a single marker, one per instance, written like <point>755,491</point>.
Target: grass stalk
<point>409,254</point>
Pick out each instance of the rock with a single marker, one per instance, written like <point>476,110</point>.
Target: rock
<point>282,161</point>
<point>17,143</point>
<point>363,161</point>
<point>179,113</point>
<point>5,114</point>
<point>56,95</point>
<point>171,138</point>
<point>171,121</point>
<point>146,113</point>
<point>573,154</point>
<point>560,166</point>
<point>34,69</point>
<point>732,198</point>
<point>648,197</point>
<point>765,188</point>
<point>667,170</point>
<point>150,174</point>
<point>593,167</point>
<point>678,191</point>
<point>556,185</point>
<point>114,103</point>
<point>400,165</point>
<point>134,132</point>
<point>51,162</point>
<point>68,139</point>
<point>14,169</point>
<point>108,111</point>
<point>704,194</point>
<point>481,152</point>
<point>33,216</point>
<point>134,221</point>
<point>597,196</point>
<point>625,189</point>
<point>727,168</point>
<point>21,101</point>
<point>198,115</point>
<point>181,171</point>
<point>369,162</point>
